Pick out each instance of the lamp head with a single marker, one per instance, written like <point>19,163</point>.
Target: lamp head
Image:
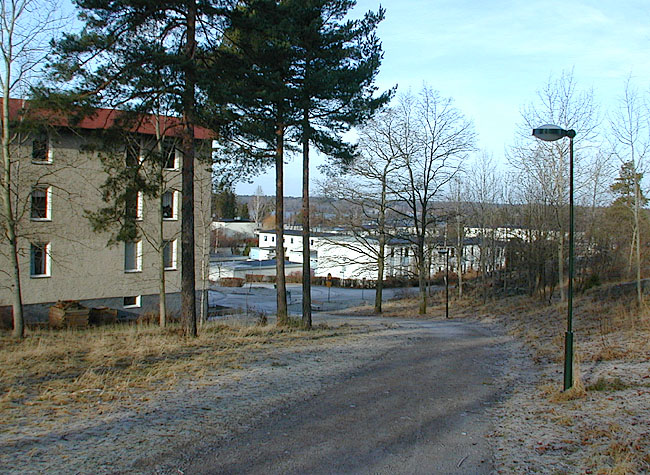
<point>551,133</point>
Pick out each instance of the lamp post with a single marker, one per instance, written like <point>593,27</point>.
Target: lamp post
<point>445,252</point>
<point>551,133</point>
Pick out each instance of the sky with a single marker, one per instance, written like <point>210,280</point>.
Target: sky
<point>492,56</point>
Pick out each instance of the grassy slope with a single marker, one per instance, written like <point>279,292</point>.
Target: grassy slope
<point>56,372</point>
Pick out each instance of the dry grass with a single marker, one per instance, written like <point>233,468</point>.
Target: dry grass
<point>408,307</point>
<point>59,370</point>
<point>607,412</point>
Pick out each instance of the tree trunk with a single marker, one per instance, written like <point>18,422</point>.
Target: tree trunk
<point>381,255</point>
<point>306,255</point>
<point>379,286</point>
<point>7,210</point>
<point>188,275</point>
<point>162,296</point>
<point>280,281</point>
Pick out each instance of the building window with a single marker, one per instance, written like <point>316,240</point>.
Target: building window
<point>266,238</point>
<point>272,238</point>
<point>311,242</point>
<point>132,301</point>
<point>171,155</point>
<point>138,210</point>
<point>41,203</point>
<point>41,149</point>
<point>133,256</point>
<point>170,205</point>
<point>40,260</point>
<point>291,240</point>
<point>133,154</point>
<point>169,254</point>
<point>134,202</point>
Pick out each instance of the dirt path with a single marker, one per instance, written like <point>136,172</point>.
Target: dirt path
<point>420,407</point>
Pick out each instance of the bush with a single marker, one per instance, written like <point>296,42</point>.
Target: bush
<point>231,282</point>
<point>294,277</point>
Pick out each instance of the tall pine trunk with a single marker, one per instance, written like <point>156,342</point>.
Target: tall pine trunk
<point>280,280</point>
<point>306,251</point>
<point>188,276</point>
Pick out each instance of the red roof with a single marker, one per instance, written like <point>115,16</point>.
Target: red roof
<point>102,119</point>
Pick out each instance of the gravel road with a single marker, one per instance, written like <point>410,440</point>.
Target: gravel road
<point>420,407</point>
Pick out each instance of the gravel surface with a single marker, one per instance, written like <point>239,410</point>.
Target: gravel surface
<point>422,407</point>
<point>145,435</point>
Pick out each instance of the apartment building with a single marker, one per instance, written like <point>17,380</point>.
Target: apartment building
<point>59,179</point>
<point>340,255</point>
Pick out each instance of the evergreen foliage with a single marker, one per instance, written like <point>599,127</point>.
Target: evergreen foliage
<point>142,55</point>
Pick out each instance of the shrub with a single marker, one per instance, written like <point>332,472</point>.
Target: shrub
<point>231,282</point>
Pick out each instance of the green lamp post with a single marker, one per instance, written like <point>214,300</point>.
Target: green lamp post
<point>445,252</point>
<point>551,133</point>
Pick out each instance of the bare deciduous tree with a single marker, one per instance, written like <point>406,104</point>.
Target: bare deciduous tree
<point>630,135</point>
<point>434,138</point>
<point>25,30</point>
<point>260,206</point>
<point>365,188</point>
<point>545,165</point>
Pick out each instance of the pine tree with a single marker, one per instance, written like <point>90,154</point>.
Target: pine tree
<point>337,63</point>
<point>135,55</point>
<point>262,100</point>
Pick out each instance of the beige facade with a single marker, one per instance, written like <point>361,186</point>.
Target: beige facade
<point>63,258</point>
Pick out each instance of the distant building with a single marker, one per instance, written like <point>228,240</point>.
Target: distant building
<point>234,228</point>
<point>339,254</point>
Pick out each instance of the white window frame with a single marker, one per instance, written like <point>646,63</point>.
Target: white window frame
<point>173,243</point>
<point>48,260</point>
<point>48,203</point>
<point>174,206</point>
<point>138,256</point>
<point>48,150</point>
<point>137,304</point>
<point>138,206</point>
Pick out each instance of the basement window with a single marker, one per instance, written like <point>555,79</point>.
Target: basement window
<point>132,301</point>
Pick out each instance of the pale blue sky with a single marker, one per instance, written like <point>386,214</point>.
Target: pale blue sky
<point>492,56</point>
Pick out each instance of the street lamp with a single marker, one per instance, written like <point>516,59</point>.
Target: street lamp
<point>445,252</point>
<point>551,133</point>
